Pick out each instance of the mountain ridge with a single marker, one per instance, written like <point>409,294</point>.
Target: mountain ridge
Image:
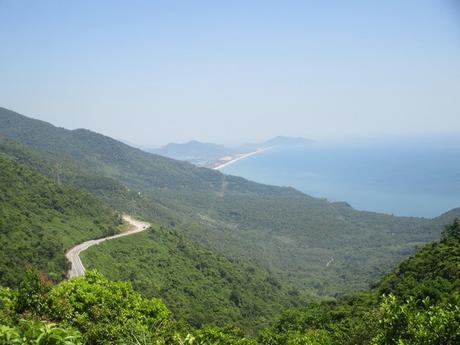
<point>280,228</point>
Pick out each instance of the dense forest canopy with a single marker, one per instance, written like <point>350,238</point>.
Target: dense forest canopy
<point>226,261</point>
<point>281,229</point>
<point>94,310</point>
<point>40,219</point>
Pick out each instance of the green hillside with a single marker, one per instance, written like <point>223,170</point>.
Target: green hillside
<point>417,303</point>
<point>199,286</point>
<point>43,213</point>
<point>282,229</point>
<point>40,219</point>
<point>94,310</point>
<point>433,272</point>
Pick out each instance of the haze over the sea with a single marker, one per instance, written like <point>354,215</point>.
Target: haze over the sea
<point>153,72</point>
<point>421,178</point>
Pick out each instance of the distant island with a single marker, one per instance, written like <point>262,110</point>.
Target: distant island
<point>219,156</point>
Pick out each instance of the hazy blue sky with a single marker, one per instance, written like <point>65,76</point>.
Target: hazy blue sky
<point>152,72</point>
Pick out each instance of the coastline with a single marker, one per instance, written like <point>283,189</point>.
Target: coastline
<point>238,157</point>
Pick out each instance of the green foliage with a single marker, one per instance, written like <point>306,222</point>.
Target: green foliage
<point>198,285</point>
<point>280,228</point>
<point>89,310</point>
<point>31,296</point>
<point>452,231</point>
<point>413,322</point>
<point>423,306</point>
<point>218,336</point>
<point>40,219</point>
<point>302,319</point>
<point>7,305</point>
<point>433,272</point>
<point>308,337</point>
<point>39,333</point>
<point>105,311</point>
<point>31,300</point>
<point>324,324</point>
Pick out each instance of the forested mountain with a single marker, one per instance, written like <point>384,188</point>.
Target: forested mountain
<point>199,286</point>
<point>290,233</point>
<point>305,245</point>
<point>421,306</point>
<point>417,303</point>
<point>40,219</point>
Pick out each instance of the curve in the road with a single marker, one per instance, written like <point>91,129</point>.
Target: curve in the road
<point>73,254</point>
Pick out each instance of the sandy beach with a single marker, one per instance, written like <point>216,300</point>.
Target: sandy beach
<point>232,159</point>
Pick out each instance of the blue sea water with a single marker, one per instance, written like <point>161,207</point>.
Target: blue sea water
<point>412,180</point>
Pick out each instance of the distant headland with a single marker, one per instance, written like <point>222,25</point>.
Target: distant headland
<point>217,156</point>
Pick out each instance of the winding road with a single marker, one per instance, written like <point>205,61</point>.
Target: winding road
<point>73,254</point>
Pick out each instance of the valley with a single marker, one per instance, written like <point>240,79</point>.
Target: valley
<point>290,233</point>
<point>219,250</point>
<point>229,173</point>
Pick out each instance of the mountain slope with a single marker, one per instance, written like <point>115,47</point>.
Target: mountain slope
<point>111,312</point>
<point>198,285</point>
<point>434,271</point>
<point>417,303</point>
<point>40,219</point>
<point>280,228</point>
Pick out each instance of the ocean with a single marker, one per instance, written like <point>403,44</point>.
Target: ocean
<point>407,180</point>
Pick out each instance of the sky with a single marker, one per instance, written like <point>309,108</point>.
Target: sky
<point>153,72</point>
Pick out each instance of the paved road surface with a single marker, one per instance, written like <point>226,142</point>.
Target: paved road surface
<point>73,255</point>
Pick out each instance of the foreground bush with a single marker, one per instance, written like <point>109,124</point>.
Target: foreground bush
<point>418,322</point>
<point>95,310</point>
<point>39,333</point>
<point>106,311</point>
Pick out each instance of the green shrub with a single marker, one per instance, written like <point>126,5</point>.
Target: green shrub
<point>39,333</point>
<point>106,311</point>
<point>418,322</point>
